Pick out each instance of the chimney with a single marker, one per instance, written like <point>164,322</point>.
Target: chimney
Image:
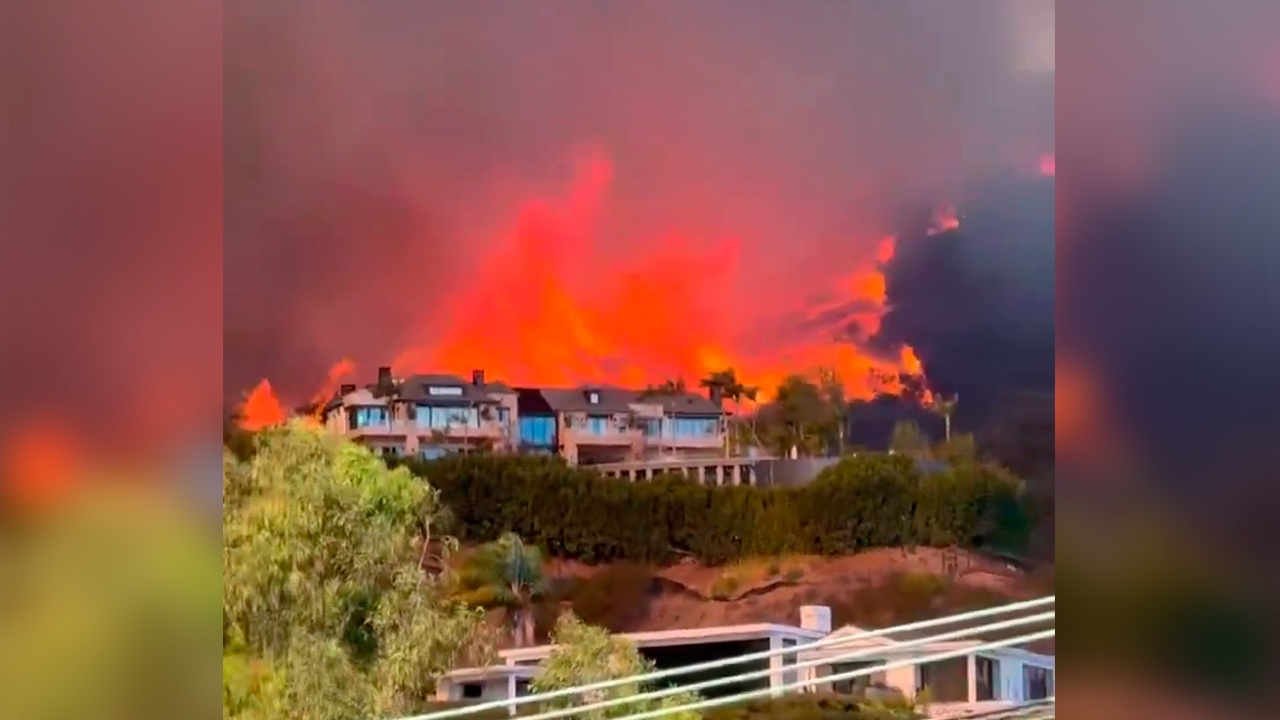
<point>815,617</point>
<point>384,377</point>
<point>477,378</point>
<point>716,394</point>
<point>346,389</point>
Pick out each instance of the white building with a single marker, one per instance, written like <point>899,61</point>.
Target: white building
<point>982,680</point>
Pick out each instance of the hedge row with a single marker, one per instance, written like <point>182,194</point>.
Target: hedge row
<point>862,502</point>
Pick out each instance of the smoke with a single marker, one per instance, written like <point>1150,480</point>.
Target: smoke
<point>377,152</point>
<point>1168,252</point>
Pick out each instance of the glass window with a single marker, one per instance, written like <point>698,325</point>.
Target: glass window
<point>987,678</point>
<point>850,686</point>
<point>788,660</point>
<point>598,424</point>
<point>369,417</point>
<point>538,431</point>
<point>1037,682</point>
<point>444,390</point>
<point>693,427</point>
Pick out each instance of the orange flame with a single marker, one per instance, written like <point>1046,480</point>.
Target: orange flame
<point>553,307</point>
<point>944,220</point>
<point>261,408</point>
<point>38,464</point>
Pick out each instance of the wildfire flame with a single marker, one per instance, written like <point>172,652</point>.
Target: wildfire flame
<point>261,408</point>
<point>38,464</point>
<point>553,307</point>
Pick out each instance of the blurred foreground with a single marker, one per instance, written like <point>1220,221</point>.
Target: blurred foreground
<point>109,600</point>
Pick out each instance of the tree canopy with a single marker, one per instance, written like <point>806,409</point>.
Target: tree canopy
<point>327,612</point>
<point>585,654</point>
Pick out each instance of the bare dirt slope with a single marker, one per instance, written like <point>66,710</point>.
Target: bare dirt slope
<point>771,590</point>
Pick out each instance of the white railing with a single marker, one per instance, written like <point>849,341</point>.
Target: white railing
<point>1040,618</point>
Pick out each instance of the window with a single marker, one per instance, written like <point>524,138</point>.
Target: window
<point>538,431</point>
<point>593,397</point>
<point>854,685</point>
<point>598,425</point>
<point>987,680</point>
<point>652,427</point>
<point>444,390</point>
<point>694,427</point>
<point>1037,682</point>
<point>504,415</point>
<point>522,688</point>
<point>444,418</point>
<point>788,660</point>
<point>432,453</point>
<point>472,691</point>
<point>947,680</point>
<point>362,417</point>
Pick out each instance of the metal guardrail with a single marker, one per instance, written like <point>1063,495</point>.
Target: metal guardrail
<point>830,641</point>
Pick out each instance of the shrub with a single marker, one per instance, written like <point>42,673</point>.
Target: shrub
<point>809,706</point>
<point>725,586</point>
<point>862,502</point>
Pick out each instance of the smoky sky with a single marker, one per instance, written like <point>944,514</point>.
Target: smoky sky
<point>374,150</point>
<point>1168,250</point>
<point>977,302</point>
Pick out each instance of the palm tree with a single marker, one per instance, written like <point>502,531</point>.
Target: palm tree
<point>945,408</point>
<point>506,574</point>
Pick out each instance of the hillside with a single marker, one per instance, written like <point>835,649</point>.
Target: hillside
<point>876,588</point>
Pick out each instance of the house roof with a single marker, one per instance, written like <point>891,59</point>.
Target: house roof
<point>688,636</point>
<point>414,389</point>
<point>899,638</point>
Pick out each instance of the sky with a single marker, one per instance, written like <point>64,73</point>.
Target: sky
<point>378,155</point>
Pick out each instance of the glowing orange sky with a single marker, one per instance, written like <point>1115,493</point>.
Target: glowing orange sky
<point>550,306</point>
<point>548,309</point>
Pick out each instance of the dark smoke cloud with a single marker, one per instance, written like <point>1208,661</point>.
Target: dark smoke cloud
<point>375,149</point>
<point>1169,249</point>
<point>977,304</point>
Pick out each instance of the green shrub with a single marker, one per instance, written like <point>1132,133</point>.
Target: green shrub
<point>862,502</point>
<point>811,706</point>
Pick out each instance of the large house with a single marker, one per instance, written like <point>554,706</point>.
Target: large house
<point>989,679</point>
<point>432,415</point>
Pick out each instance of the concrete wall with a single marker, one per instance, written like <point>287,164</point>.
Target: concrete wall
<point>785,472</point>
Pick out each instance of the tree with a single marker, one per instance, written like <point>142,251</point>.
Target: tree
<point>726,384</point>
<point>506,574</point>
<point>908,439</point>
<point>584,655</point>
<point>326,607</point>
<point>799,417</point>
<point>946,408</point>
<point>834,394</point>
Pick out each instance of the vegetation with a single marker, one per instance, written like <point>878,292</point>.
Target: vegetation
<point>505,574</point>
<point>865,501</point>
<point>814,707</point>
<point>327,612</point>
<point>586,655</point>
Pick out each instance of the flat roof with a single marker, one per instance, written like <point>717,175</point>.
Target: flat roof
<point>688,636</point>
<point>492,672</point>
